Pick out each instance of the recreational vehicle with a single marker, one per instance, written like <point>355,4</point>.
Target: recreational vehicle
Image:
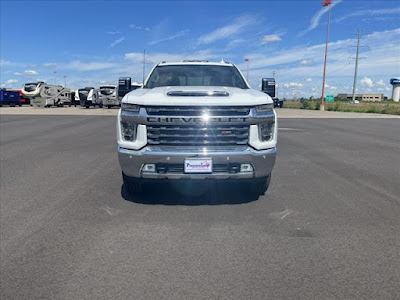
<point>46,95</point>
<point>87,97</point>
<point>108,95</point>
<point>32,89</point>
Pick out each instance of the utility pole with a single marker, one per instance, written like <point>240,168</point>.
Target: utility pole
<point>356,67</point>
<point>65,81</point>
<point>144,64</point>
<point>329,4</point>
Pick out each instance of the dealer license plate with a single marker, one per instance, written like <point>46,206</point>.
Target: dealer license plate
<point>198,165</point>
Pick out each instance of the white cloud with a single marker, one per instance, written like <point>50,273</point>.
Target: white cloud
<point>227,31</point>
<point>117,41</point>
<point>113,32</point>
<point>309,79</point>
<point>89,66</point>
<point>380,83</point>
<point>30,72</point>
<point>271,38</point>
<point>315,20</point>
<point>367,82</point>
<point>292,85</point>
<point>50,65</point>
<point>4,63</point>
<point>138,27</point>
<point>153,58</point>
<point>171,37</point>
<point>382,61</point>
<point>11,81</point>
<point>27,73</point>
<point>306,62</point>
<point>371,12</point>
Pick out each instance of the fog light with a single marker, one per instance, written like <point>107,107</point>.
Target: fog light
<point>246,168</point>
<point>149,168</point>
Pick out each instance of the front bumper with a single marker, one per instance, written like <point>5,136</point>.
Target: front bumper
<point>132,162</point>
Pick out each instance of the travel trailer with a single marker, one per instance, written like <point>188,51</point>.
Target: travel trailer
<point>109,95</point>
<point>32,89</point>
<point>46,95</point>
<point>87,97</point>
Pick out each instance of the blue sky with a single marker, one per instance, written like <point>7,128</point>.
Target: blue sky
<point>93,42</point>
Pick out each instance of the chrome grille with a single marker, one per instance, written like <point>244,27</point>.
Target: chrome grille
<point>198,111</point>
<point>198,135</point>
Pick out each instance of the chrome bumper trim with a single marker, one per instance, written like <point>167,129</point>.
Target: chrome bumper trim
<point>132,161</point>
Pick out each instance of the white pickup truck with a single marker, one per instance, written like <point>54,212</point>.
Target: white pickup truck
<point>197,120</point>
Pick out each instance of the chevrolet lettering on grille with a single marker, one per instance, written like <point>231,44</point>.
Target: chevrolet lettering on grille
<point>194,120</point>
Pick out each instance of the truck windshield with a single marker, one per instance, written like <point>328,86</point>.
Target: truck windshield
<point>196,75</point>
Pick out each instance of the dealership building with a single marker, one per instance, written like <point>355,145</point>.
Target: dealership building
<point>363,97</point>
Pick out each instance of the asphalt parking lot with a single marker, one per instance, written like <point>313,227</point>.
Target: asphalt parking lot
<point>328,228</point>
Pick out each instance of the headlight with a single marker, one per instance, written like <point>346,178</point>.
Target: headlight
<point>266,131</point>
<point>130,107</point>
<point>265,107</point>
<point>128,131</point>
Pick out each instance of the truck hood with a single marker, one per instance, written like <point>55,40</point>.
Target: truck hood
<point>159,96</point>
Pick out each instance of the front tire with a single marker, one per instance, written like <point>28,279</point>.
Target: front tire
<point>132,185</point>
<point>260,186</point>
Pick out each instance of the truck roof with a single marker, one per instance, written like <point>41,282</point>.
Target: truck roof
<point>196,62</point>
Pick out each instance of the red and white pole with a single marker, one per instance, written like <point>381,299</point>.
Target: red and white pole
<point>325,3</point>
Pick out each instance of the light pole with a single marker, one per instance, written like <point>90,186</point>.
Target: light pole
<point>353,99</point>
<point>329,4</point>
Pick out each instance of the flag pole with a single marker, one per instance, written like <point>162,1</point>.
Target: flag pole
<point>325,3</point>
